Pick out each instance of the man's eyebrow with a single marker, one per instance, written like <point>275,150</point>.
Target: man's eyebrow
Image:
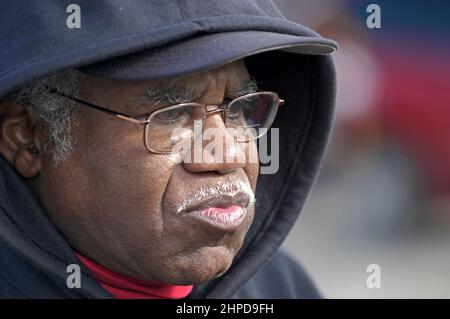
<point>165,94</point>
<point>246,87</point>
<point>168,94</point>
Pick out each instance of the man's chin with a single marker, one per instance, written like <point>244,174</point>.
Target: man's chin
<point>197,268</point>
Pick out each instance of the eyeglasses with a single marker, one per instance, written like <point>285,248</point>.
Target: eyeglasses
<point>254,111</point>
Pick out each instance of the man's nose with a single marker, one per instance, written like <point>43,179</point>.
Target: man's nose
<point>216,150</point>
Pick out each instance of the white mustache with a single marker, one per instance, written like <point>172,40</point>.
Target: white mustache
<point>227,188</point>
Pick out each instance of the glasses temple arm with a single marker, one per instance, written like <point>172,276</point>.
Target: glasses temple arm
<point>99,108</point>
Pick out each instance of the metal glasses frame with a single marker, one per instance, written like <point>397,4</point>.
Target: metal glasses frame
<point>209,109</point>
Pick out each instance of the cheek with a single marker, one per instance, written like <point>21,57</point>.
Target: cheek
<point>111,175</point>
<point>134,179</point>
<point>117,157</point>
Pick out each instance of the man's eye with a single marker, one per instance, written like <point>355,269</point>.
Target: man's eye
<point>234,113</point>
<point>240,109</point>
<point>170,116</point>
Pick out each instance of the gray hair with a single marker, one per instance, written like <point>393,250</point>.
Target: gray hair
<point>54,110</point>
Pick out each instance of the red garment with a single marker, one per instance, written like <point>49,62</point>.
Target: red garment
<point>124,287</point>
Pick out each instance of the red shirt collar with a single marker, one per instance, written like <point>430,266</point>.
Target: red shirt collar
<point>124,287</point>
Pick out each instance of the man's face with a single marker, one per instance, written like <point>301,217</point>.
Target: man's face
<point>116,202</point>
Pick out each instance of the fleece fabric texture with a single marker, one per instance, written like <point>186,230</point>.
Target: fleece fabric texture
<point>34,254</point>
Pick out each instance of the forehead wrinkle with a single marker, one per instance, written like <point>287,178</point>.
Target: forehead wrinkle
<point>235,87</point>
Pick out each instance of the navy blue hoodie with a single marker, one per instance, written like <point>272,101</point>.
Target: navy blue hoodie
<point>34,254</point>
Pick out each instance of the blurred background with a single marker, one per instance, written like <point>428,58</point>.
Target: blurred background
<point>383,195</point>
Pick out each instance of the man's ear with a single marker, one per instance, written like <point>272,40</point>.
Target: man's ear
<point>19,142</point>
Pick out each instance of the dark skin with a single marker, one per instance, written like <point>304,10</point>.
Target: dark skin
<point>114,200</point>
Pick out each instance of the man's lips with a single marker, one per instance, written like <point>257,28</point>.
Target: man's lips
<point>225,212</point>
<point>222,201</point>
<point>223,207</point>
<point>228,218</point>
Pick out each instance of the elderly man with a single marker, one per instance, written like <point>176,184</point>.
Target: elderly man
<point>97,199</point>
